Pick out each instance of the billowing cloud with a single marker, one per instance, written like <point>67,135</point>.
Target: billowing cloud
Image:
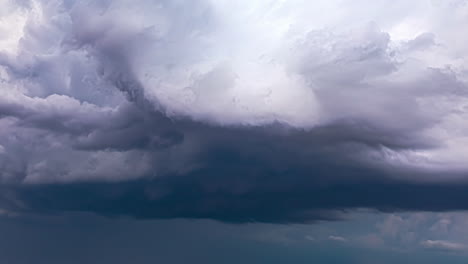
<point>274,111</point>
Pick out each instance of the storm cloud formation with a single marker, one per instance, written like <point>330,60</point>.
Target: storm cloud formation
<point>275,111</point>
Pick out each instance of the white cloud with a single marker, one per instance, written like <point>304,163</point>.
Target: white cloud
<point>444,245</point>
<point>337,238</point>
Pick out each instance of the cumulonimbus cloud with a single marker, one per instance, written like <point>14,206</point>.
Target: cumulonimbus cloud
<point>229,110</point>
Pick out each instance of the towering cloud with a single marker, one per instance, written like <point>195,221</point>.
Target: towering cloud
<point>269,111</point>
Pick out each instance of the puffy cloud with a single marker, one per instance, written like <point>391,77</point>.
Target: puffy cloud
<point>233,111</point>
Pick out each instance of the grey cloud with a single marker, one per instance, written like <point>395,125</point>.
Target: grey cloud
<point>176,110</point>
<point>421,42</point>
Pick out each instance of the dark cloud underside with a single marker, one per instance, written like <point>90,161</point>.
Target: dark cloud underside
<point>213,109</point>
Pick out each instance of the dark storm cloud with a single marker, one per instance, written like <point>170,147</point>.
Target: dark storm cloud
<point>247,175</point>
<point>176,109</point>
<point>284,198</point>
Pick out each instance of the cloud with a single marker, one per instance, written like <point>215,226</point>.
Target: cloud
<point>443,245</point>
<point>337,238</point>
<point>232,111</point>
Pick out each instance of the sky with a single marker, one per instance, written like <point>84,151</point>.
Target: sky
<point>216,131</point>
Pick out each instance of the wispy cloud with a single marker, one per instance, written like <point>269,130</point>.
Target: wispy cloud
<point>337,238</point>
<point>444,245</point>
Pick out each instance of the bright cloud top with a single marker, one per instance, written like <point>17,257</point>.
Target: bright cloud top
<point>397,67</point>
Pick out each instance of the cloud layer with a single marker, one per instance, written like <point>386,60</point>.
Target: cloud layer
<point>270,111</point>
